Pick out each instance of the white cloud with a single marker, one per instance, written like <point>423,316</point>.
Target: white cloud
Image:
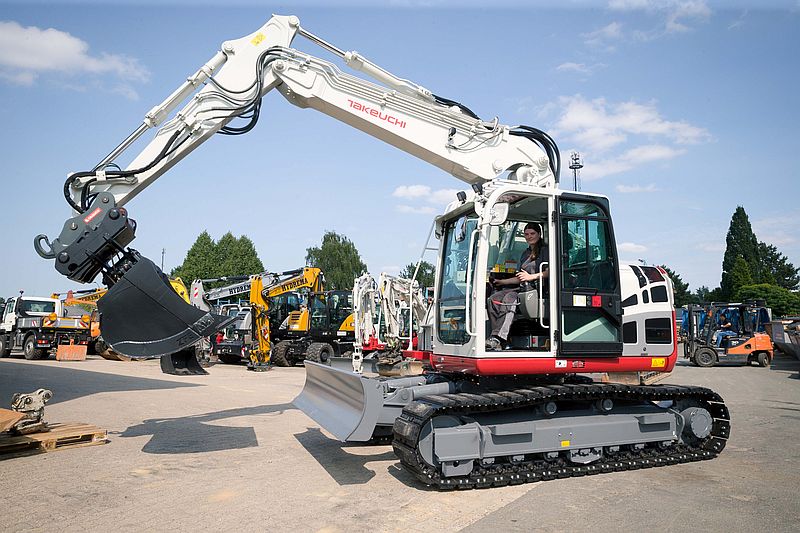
<point>780,230</point>
<point>28,52</point>
<point>739,22</point>
<point>677,15</point>
<point>711,247</point>
<point>412,191</point>
<point>579,68</point>
<point>426,200</point>
<point>600,125</point>
<point>416,210</point>
<point>629,160</point>
<point>630,247</point>
<point>637,188</point>
<point>616,137</point>
<point>604,36</point>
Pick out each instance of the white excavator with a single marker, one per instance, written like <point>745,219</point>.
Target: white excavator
<point>481,416</point>
<point>388,319</point>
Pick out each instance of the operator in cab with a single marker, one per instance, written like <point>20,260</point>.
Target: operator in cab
<point>503,304</point>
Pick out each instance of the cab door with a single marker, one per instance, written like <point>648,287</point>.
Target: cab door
<point>9,318</point>
<point>590,310</point>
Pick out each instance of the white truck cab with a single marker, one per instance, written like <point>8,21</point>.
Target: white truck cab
<point>36,325</point>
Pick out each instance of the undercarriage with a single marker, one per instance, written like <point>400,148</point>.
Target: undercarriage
<point>454,432</point>
<point>516,436</point>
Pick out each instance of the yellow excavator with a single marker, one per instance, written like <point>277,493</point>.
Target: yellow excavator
<point>297,322</point>
<point>274,299</point>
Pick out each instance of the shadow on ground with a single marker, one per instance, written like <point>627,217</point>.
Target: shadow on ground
<point>195,434</point>
<point>70,383</point>
<point>345,468</point>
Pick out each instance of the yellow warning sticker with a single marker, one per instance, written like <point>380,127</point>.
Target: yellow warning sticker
<point>658,362</point>
<point>257,39</point>
<point>564,443</point>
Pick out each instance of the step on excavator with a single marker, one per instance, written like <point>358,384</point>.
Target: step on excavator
<point>488,413</point>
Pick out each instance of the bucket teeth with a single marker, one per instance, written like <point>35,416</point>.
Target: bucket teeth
<point>142,316</point>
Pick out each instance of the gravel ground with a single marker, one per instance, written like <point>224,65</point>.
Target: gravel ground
<point>228,451</point>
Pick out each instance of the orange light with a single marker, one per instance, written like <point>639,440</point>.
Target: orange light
<point>52,317</point>
<point>86,318</point>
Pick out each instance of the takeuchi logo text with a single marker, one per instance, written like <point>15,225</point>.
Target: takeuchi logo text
<point>377,113</point>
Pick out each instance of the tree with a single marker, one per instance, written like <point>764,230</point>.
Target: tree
<point>339,260</point>
<point>200,261</point>
<point>682,294</point>
<point>739,276</point>
<point>782,301</point>
<point>227,257</point>
<point>701,294</point>
<point>740,242</point>
<point>776,268</point>
<point>425,276</point>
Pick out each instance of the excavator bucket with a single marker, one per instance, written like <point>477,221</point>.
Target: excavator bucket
<point>344,403</point>
<point>142,316</point>
<point>182,363</point>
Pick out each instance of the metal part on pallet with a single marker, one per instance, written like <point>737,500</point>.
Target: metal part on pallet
<point>32,406</point>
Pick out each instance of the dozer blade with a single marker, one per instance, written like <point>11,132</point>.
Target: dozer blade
<point>183,363</point>
<point>142,316</point>
<point>343,403</point>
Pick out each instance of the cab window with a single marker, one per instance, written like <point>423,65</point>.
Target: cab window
<point>452,308</point>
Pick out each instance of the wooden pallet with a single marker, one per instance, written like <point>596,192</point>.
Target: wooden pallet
<point>60,436</point>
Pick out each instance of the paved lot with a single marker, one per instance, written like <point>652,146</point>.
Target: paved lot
<point>228,451</point>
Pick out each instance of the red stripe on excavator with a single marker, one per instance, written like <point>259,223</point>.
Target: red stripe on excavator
<point>547,365</point>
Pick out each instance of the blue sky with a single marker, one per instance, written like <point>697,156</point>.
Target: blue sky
<point>681,109</point>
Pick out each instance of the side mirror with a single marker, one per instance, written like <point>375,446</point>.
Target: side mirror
<point>498,214</point>
<point>461,229</point>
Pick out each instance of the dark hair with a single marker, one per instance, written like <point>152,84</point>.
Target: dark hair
<point>534,226</point>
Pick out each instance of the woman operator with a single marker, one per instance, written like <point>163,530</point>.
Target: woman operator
<point>503,304</point>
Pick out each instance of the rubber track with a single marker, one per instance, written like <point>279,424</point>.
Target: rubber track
<point>415,415</point>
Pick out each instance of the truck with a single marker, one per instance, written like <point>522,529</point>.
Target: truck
<point>481,416</point>
<point>36,325</point>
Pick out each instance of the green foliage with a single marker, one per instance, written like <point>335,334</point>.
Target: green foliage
<point>200,260</point>
<point>739,276</point>
<point>682,294</point>
<point>339,260</point>
<point>701,294</point>
<point>227,257</point>
<point>782,301</point>
<point>776,268</point>
<point>741,243</point>
<point>425,276</point>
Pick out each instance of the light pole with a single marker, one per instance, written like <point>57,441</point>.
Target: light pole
<point>576,164</point>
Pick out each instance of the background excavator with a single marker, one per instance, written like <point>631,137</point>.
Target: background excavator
<point>273,300</point>
<point>481,417</point>
<point>389,316</point>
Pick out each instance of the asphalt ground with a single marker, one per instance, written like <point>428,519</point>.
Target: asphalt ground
<point>228,451</point>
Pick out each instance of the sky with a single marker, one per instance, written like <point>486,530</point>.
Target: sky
<point>682,110</point>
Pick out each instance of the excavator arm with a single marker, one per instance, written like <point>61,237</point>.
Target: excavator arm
<point>231,85</point>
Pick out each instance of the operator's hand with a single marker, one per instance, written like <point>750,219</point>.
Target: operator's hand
<point>500,282</point>
<point>524,276</point>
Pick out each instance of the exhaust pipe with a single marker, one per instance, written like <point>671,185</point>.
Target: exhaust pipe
<point>142,316</point>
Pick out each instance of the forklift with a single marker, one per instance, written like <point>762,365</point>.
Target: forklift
<point>706,344</point>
